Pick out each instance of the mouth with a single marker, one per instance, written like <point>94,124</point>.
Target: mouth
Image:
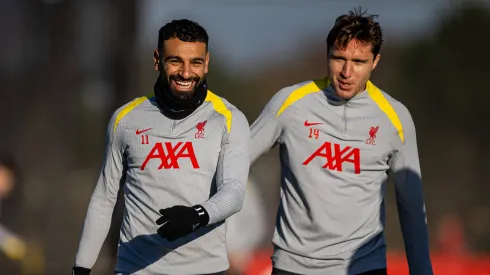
<point>344,85</point>
<point>183,85</point>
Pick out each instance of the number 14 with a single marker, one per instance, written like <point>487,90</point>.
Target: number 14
<point>314,133</point>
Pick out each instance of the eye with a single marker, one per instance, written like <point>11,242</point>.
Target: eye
<point>173,61</point>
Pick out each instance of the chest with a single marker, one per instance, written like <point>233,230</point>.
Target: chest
<point>341,139</point>
<point>157,143</point>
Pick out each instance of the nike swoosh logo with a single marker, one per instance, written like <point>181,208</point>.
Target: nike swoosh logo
<point>194,226</point>
<point>142,131</point>
<point>311,123</point>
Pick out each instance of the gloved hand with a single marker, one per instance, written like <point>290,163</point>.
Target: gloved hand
<point>77,270</point>
<point>178,221</point>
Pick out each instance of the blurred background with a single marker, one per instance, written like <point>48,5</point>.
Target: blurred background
<point>67,65</point>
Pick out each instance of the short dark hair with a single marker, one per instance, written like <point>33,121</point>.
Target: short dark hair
<point>356,25</point>
<point>183,29</point>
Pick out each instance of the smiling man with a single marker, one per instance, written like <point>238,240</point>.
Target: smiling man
<point>181,156</point>
<point>339,137</point>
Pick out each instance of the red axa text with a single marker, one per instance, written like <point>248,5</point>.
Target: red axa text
<point>169,155</point>
<point>335,156</point>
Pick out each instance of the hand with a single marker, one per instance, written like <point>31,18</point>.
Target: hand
<point>77,270</point>
<point>179,221</point>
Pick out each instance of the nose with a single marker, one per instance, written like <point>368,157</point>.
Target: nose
<point>185,71</point>
<point>347,70</point>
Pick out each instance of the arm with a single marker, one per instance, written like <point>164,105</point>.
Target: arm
<point>99,213</point>
<point>231,179</point>
<point>11,244</point>
<point>266,129</point>
<point>232,171</point>
<point>404,163</point>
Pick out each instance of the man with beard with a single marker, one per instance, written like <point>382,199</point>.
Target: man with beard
<point>182,157</point>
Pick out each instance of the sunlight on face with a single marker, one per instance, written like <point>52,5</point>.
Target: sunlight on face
<point>185,64</point>
<point>349,69</point>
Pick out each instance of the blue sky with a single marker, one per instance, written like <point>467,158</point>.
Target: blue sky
<point>240,30</point>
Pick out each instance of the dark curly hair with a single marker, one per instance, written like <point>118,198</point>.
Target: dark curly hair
<point>355,25</point>
<point>183,29</point>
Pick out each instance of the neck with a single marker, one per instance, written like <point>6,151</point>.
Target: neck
<point>175,108</point>
<point>364,87</point>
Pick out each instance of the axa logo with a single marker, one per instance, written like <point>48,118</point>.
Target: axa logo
<point>169,154</point>
<point>372,135</point>
<point>200,129</point>
<point>335,157</point>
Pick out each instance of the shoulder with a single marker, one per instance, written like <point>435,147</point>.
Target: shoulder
<point>397,112</point>
<point>290,95</point>
<point>233,117</point>
<point>400,109</point>
<point>119,116</point>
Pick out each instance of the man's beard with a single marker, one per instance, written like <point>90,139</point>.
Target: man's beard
<point>183,95</point>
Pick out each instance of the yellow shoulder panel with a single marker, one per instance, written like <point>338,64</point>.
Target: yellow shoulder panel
<point>220,107</point>
<point>312,87</point>
<point>129,108</point>
<point>378,97</point>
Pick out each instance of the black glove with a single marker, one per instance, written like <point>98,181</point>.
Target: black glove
<point>80,271</point>
<point>178,221</point>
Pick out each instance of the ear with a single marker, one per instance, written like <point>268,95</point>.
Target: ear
<point>156,60</point>
<point>206,63</point>
<point>376,60</point>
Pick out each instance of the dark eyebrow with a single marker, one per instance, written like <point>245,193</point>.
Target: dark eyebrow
<point>359,60</point>
<point>181,60</point>
<point>197,59</point>
<point>336,57</point>
<point>343,58</point>
<point>173,57</point>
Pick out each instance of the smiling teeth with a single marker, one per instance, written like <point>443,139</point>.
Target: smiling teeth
<point>184,84</point>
